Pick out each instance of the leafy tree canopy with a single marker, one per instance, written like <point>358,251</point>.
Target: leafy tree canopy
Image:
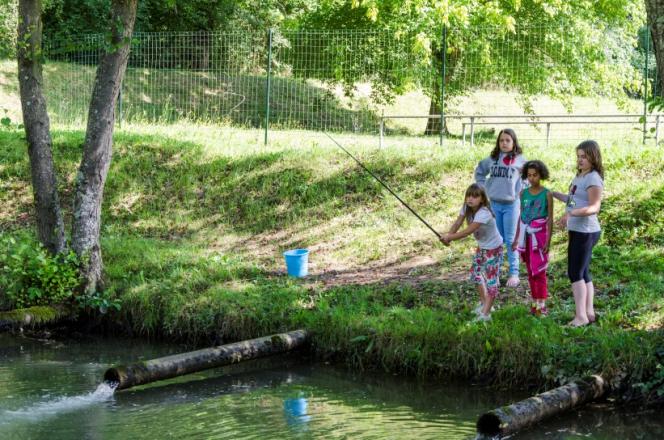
<point>585,45</point>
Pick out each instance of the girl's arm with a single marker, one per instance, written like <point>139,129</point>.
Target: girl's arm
<point>451,236</point>
<point>457,224</point>
<point>481,171</point>
<point>515,242</point>
<point>549,220</point>
<point>594,203</point>
<point>455,227</point>
<point>560,196</point>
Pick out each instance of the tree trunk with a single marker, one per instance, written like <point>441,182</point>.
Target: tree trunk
<point>433,124</point>
<point>655,10</point>
<point>50,225</point>
<point>97,150</point>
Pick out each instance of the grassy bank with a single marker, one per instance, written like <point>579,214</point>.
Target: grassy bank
<point>195,219</point>
<point>169,95</point>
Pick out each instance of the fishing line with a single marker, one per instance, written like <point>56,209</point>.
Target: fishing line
<point>384,185</point>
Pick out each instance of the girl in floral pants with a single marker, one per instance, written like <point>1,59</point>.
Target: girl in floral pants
<point>477,213</point>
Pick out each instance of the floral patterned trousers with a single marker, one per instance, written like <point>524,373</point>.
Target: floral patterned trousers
<point>484,270</point>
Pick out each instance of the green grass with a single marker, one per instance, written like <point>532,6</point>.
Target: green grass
<point>170,95</point>
<point>195,218</point>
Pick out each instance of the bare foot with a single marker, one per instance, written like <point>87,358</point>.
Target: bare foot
<point>577,322</point>
<point>591,317</point>
<point>513,281</point>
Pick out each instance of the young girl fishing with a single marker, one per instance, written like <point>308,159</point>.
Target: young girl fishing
<point>583,202</point>
<point>500,175</point>
<point>533,232</point>
<point>476,212</point>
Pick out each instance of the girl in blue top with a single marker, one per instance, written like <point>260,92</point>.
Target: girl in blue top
<point>500,175</point>
<point>583,202</point>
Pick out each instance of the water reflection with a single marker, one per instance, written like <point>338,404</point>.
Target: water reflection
<point>600,420</point>
<point>295,410</point>
<point>273,398</point>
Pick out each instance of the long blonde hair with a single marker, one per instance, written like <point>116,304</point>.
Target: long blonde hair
<point>475,190</point>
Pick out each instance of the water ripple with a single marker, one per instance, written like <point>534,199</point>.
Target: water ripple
<point>50,408</point>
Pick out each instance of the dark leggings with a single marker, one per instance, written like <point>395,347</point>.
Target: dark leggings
<point>579,253</point>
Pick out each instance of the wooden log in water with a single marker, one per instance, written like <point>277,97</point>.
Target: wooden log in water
<point>509,419</point>
<point>191,362</point>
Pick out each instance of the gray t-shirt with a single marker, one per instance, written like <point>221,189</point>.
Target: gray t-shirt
<point>487,234</point>
<point>577,197</point>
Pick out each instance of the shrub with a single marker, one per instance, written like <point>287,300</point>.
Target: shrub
<point>30,276</point>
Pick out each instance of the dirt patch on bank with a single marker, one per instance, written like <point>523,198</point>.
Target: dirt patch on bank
<point>414,271</point>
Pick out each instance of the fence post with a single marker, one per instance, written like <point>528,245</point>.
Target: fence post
<point>645,88</point>
<point>442,86</point>
<point>472,131</point>
<point>268,82</point>
<point>463,134</point>
<point>548,133</point>
<point>657,130</point>
<point>382,129</point>
<point>120,107</point>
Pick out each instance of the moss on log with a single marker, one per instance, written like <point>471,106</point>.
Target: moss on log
<point>33,316</point>
<point>191,362</point>
<point>509,419</point>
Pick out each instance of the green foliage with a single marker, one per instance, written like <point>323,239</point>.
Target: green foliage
<point>640,222</point>
<point>6,122</point>
<point>99,301</point>
<point>30,276</point>
<point>8,25</point>
<point>533,47</point>
<point>66,19</point>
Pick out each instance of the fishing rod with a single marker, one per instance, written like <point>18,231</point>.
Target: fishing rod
<point>385,185</point>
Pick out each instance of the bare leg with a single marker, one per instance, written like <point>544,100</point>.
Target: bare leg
<point>486,310</point>
<point>590,296</point>
<point>580,297</point>
<point>481,288</point>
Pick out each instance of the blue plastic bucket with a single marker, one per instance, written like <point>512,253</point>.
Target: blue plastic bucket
<point>297,262</point>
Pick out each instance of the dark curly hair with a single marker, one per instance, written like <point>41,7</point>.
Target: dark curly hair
<point>536,165</point>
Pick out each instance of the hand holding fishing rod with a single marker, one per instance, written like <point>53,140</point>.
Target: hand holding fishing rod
<point>440,237</point>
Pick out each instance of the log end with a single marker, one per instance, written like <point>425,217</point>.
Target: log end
<point>113,376</point>
<point>488,425</point>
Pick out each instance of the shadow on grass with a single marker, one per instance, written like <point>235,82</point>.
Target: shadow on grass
<point>168,190</point>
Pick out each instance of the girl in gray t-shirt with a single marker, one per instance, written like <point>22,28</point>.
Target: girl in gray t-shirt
<point>476,212</point>
<point>583,202</point>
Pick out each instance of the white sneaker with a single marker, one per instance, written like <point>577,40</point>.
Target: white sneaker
<point>513,281</point>
<point>478,310</point>
<point>482,318</point>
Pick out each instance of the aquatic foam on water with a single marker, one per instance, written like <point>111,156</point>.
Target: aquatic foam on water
<point>51,408</point>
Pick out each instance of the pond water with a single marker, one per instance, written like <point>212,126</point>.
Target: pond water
<point>51,389</point>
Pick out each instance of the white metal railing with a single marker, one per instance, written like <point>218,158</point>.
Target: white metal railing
<point>474,120</point>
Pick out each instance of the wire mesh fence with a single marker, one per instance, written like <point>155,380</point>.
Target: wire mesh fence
<point>372,82</point>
